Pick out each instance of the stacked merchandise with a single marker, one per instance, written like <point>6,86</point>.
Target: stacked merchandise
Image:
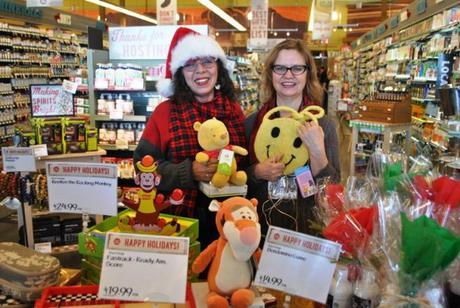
<point>31,56</point>
<point>247,79</point>
<point>399,234</point>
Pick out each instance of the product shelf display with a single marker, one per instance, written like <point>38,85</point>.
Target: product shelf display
<point>29,56</point>
<point>417,64</point>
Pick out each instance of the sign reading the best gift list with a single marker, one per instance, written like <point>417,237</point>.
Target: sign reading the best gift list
<point>82,188</point>
<point>50,100</point>
<point>144,268</point>
<point>308,264</point>
<point>128,43</point>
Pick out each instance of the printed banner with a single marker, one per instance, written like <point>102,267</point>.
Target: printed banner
<point>44,3</point>
<point>144,43</point>
<point>259,24</point>
<point>50,100</point>
<point>166,12</point>
<point>321,16</point>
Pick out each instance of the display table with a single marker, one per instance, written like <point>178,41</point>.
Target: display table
<point>25,212</point>
<point>385,129</point>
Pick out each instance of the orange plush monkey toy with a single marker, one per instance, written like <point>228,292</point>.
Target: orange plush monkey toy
<point>233,256</point>
<point>150,203</point>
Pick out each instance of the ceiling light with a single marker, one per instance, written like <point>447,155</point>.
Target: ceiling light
<point>219,12</point>
<point>275,33</point>
<point>335,29</point>
<point>217,33</point>
<point>250,15</point>
<point>288,33</point>
<point>123,10</point>
<point>335,15</point>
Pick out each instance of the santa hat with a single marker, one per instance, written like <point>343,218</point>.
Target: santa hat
<point>187,44</point>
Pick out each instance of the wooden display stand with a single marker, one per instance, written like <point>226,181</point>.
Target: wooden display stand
<point>386,129</point>
<point>89,157</point>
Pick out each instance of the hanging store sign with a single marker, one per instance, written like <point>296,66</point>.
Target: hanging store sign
<point>44,3</point>
<point>64,19</point>
<point>82,188</point>
<point>259,24</point>
<point>19,10</point>
<point>308,264</point>
<point>322,27</point>
<point>445,65</point>
<point>144,43</point>
<point>166,12</point>
<point>49,100</point>
<point>131,260</point>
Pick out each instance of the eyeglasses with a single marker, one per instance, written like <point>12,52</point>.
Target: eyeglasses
<point>206,62</point>
<point>295,69</point>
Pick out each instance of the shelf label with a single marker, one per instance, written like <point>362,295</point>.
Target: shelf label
<point>82,188</point>
<point>308,264</point>
<point>43,247</point>
<point>40,150</point>
<point>18,159</point>
<point>131,260</point>
<point>116,115</point>
<point>70,86</point>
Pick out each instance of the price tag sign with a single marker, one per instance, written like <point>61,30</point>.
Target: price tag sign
<point>70,86</point>
<point>308,264</point>
<point>116,115</point>
<point>82,188</point>
<point>40,150</point>
<point>132,261</point>
<point>43,247</point>
<point>18,159</point>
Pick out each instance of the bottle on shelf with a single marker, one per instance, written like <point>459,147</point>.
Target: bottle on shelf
<point>341,289</point>
<point>366,291</point>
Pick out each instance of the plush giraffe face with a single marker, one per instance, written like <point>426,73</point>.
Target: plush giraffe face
<point>279,136</point>
<point>238,223</point>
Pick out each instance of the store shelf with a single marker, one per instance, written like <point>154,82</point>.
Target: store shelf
<point>6,92</point>
<point>126,118</point>
<point>113,147</point>
<point>415,99</point>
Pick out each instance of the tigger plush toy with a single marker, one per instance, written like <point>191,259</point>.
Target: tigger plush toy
<point>234,255</point>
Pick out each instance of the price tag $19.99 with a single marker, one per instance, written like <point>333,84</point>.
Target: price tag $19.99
<point>117,291</point>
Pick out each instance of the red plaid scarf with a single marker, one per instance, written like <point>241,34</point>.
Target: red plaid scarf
<point>260,116</point>
<point>184,141</point>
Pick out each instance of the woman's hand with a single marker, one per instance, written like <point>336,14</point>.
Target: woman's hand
<point>203,172</point>
<point>270,170</point>
<point>312,136</point>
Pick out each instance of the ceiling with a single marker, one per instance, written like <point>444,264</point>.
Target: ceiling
<point>283,14</point>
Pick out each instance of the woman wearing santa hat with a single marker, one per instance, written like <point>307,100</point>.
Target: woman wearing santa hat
<point>198,87</point>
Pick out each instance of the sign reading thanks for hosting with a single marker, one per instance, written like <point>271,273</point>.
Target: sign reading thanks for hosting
<point>151,42</point>
<point>82,188</point>
<point>49,100</point>
<point>308,264</point>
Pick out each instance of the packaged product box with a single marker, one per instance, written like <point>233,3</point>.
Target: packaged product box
<point>49,131</point>
<point>24,272</point>
<point>74,132</point>
<point>91,243</point>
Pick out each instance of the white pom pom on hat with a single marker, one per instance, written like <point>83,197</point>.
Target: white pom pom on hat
<point>187,44</point>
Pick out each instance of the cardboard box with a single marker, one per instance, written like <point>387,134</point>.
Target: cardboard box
<point>91,243</point>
